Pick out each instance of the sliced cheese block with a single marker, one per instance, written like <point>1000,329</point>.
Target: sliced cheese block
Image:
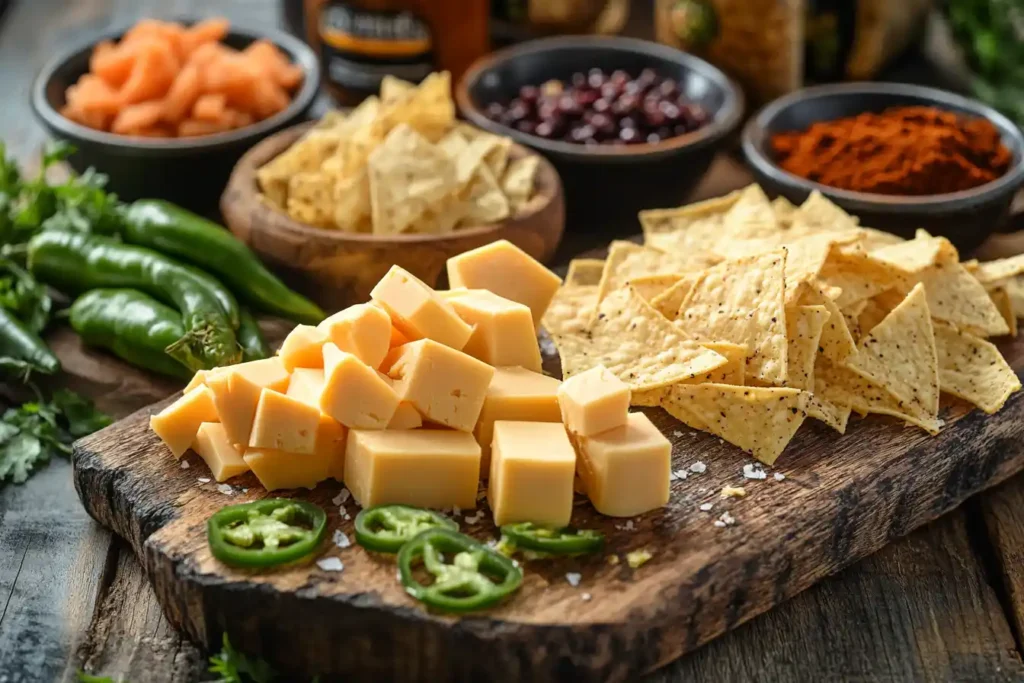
<point>503,331</point>
<point>515,394</point>
<point>178,423</point>
<point>284,423</point>
<point>283,470</point>
<point>302,348</point>
<point>532,470</point>
<point>201,377</point>
<point>429,468</point>
<point>364,330</point>
<point>625,471</point>
<point>331,439</point>
<point>406,417</point>
<point>307,384</point>
<point>418,311</point>
<point>237,391</point>
<point>508,271</point>
<point>221,456</point>
<point>446,386</point>
<point>354,393</point>
<point>593,401</point>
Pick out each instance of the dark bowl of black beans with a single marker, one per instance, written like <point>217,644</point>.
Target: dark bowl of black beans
<point>629,124</point>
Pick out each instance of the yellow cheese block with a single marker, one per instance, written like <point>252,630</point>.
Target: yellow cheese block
<point>446,386</point>
<point>302,348</point>
<point>364,330</point>
<point>284,470</point>
<point>237,391</point>
<point>201,377</point>
<point>284,423</point>
<point>178,423</point>
<point>406,417</point>
<point>515,394</point>
<point>532,470</point>
<point>593,401</point>
<point>422,467</point>
<point>397,338</point>
<point>625,471</point>
<point>354,394</point>
<point>503,332</point>
<point>331,439</point>
<point>221,456</point>
<point>418,311</point>
<point>508,271</point>
<point>307,384</point>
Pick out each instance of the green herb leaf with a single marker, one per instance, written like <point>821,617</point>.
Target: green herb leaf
<point>20,456</point>
<point>86,678</point>
<point>234,667</point>
<point>79,413</point>
<point>24,296</point>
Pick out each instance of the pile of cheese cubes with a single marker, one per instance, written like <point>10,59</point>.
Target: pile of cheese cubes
<point>415,396</point>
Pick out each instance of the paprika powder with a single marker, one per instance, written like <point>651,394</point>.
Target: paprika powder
<point>900,151</point>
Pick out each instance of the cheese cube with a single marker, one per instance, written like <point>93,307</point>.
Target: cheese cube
<point>354,394</point>
<point>515,394</point>
<point>178,423</point>
<point>417,310</point>
<point>364,330</point>
<point>421,467</point>
<point>593,401</point>
<point>237,391</point>
<point>302,348</point>
<point>221,456</point>
<point>626,470</point>
<point>331,439</point>
<point>508,271</point>
<point>444,385</point>
<point>406,417</point>
<point>284,423</point>
<point>201,377</point>
<point>397,338</point>
<point>503,332</point>
<point>283,470</point>
<point>532,470</point>
<point>307,384</point>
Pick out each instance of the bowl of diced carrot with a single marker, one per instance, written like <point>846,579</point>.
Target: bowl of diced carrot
<point>165,109</point>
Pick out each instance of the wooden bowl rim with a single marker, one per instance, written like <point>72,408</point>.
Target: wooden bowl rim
<point>243,184</point>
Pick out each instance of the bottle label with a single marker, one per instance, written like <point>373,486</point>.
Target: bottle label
<point>360,47</point>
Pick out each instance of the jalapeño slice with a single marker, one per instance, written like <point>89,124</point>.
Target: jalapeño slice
<point>266,533</point>
<point>386,528</point>
<point>554,541</point>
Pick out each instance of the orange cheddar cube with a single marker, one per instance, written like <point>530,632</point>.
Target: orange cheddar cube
<point>354,394</point>
<point>283,470</point>
<point>418,311</point>
<point>306,385</point>
<point>532,470</point>
<point>302,348</point>
<point>503,331</point>
<point>221,456</point>
<point>237,391</point>
<point>593,401</point>
<point>284,423</point>
<point>515,394</point>
<point>331,439</point>
<point>364,330</point>
<point>406,417</point>
<point>178,423</point>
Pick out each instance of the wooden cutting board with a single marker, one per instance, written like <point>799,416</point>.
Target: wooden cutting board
<point>843,497</point>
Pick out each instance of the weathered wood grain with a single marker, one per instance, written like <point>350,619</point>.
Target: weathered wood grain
<point>1003,516</point>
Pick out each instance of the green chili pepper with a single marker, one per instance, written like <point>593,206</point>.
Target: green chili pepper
<point>223,296</point>
<point>266,533</point>
<point>564,541</point>
<point>386,528</point>
<point>473,577</point>
<point>21,351</point>
<point>172,230</point>
<point>76,263</point>
<point>131,325</point>
<point>254,346</point>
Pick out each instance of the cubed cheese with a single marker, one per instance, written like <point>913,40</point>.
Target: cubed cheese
<point>421,467</point>
<point>354,394</point>
<point>201,377</point>
<point>503,332</point>
<point>221,456</point>
<point>283,470</point>
<point>237,391</point>
<point>626,470</point>
<point>593,401</point>
<point>331,440</point>
<point>284,423</point>
<point>417,310</point>
<point>508,271</point>
<point>446,386</point>
<point>397,338</point>
<point>178,423</point>
<point>302,348</point>
<point>364,330</point>
<point>515,394</point>
<point>307,384</point>
<point>532,470</point>
<point>406,417</point>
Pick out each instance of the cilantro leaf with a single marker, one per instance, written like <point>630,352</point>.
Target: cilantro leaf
<point>24,296</point>
<point>80,414</point>
<point>21,455</point>
<point>234,667</point>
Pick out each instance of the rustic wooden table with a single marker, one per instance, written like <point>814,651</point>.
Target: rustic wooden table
<point>945,603</point>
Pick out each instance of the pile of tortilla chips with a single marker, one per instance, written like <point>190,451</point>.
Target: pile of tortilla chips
<point>742,317</point>
<point>398,164</point>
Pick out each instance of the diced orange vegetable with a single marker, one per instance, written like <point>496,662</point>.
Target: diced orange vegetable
<point>112,63</point>
<point>92,93</point>
<point>186,89</point>
<point>89,118</point>
<point>268,99</point>
<point>192,127</point>
<point>274,64</point>
<point>206,53</point>
<point>204,32</point>
<point>152,30</point>
<point>239,119</point>
<point>151,76</point>
<point>137,117</point>
<point>157,131</point>
<point>210,107</point>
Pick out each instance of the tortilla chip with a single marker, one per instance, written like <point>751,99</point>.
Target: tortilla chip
<point>852,315</point>
<point>760,420</point>
<point>742,301</point>
<point>859,276</point>
<point>973,369</point>
<point>570,310</point>
<point>584,271</point>
<point>818,214</point>
<point>1015,290</point>
<point>651,286</point>
<point>692,228</point>
<point>899,354</point>
<point>915,255</point>
<point>1000,269</point>
<point>392,88</point>
<point>635,343</point>
<point>483,199</point>
<point>428,108</point>
<point>784,210</point>
<point>832,414</point>
<point>751,217</point>
<point>731,373</point>
<point>872,312</point>
<point>627,261</point>
<point>310,198</point>
<point>842,386</point>
<point>517,181</point>
<point>668,302</point>
<point>956,296</point>
<point>803,331</point>
<point>1001,298</point>
<point>351,202</point>
<point>836,342</point>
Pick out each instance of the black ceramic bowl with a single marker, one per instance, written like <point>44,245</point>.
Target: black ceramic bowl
<point>191,172</point>
<point>966,217</point>
<point>604,184</point>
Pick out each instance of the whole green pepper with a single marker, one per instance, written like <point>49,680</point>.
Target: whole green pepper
<point>76,263</point>
<point>21,351</point>
<point>172,230</point>
<point>132,325</point>
<point>254,346</point>
<point>222,294</point>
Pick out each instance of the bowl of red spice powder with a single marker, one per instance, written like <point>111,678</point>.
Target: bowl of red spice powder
<point>899,157</point>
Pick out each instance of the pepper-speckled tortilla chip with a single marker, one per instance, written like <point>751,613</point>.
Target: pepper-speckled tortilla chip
<point>1000,269</point>
<point>859,276</point>
<point>760,420</point>
<point>751,217</point>
<point>842,386</point>
<point>650,287</point>
<point>973,369</point>
<point>668,302</point>
<point>627,261</point>
<point>635,343</point>
<point>584,272</point>
<point>836,342</point>
<point>1001,298</point>
<point>743,301</point>
<point>832,414</point>
<point>956,296</point>
<point>915,255</point>
<point>691,228</point>
<point>803,331</point>
<point>570,310</point>
<point>731,373</point>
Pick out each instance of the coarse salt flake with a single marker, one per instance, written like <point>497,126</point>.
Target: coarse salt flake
<point>330,564</point>
<point>677,433</point>
<point>586,597</point>
<point>698,467</point>
<point>341,498</point>
<point>226,489</point>
<point>726,519</point>
<point>341,539</point>
<point>185,465</point>
<point>573,578</point>
<point>203,480</point>
<point>706,507</point>
<point>752,471</point>
<point>779,476</point>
